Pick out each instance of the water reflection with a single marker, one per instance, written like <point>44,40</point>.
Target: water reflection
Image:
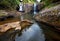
<point>34,33</point>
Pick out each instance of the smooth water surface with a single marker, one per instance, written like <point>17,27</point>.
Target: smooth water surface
<point>34,33</point>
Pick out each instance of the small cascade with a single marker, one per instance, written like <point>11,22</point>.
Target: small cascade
<point>21,9</point>
<point>21,6</point>
<point>35,8</point>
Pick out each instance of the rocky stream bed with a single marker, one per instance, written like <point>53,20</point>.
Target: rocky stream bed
<point>43,27</point>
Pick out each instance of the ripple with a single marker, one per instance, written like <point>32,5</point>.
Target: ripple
<point>34,33</point>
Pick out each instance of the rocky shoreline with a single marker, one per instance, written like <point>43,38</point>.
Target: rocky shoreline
<point>50,16</point>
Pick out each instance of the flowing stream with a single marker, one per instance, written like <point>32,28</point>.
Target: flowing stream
<point>34,33</point>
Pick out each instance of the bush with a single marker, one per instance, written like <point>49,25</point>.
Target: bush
<point>12,4</point>
<point>8,3</point>
<point>47,2</point>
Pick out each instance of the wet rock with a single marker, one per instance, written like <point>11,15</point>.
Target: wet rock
<point>10,16</point>
<point>28,7</point>
<point>9,30</point>
<point>50,16</point>
<point>25,24</point>
<point>16,25</point>
<point>7,26</point>
<point>6,15</point>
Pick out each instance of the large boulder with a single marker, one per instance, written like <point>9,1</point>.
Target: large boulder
<point>7,26</point>
<point>16,25</point>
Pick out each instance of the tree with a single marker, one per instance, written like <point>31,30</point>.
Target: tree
<point>13,3</point>
<point>47,2</point>
<point>9,3</point>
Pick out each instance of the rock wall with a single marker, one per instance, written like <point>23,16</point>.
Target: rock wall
<point>50,16</point>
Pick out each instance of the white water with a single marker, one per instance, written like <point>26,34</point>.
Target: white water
<point>34,33</point>
<point>35,8</point>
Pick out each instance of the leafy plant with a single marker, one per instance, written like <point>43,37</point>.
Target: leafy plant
<point>47,2</point>
<point>9,3</point>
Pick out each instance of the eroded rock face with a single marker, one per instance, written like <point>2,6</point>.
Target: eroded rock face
<point>16,25</point>
<point>9,30</point>
<point>25,24</point>
<point>50,16</point>
<point>7,26</point>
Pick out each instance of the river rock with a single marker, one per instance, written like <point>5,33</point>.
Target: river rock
<point>9,30</point>
<point>17,25</point>
<point>7,26</point>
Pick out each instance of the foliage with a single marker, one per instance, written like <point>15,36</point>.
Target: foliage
<point>29,1</point>
<point>47,2</point>
<point>8,3</point>
<point>12,3</point>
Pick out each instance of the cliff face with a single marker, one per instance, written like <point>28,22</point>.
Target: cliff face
<point>50,16</point>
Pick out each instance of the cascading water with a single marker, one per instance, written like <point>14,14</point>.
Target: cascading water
<point>34,33</point>
<point>21,6</point>
<point>35,8</point>
<point>21,9</point>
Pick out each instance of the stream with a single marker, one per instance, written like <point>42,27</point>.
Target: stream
<point>34,33</point>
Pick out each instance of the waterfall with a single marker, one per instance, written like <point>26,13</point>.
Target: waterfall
<point>21,9</point>
<point>35,8</point>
